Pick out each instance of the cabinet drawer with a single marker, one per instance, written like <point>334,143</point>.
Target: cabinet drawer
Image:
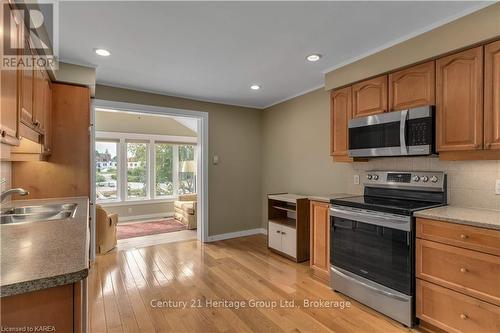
<point>455,312</point>
<point>473,273</point>
<point>468,237</point>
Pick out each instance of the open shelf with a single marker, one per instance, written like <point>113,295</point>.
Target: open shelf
<point>287,209</point>
<point>292,223</point>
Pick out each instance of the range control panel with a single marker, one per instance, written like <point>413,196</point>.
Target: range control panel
<point>427,179</point>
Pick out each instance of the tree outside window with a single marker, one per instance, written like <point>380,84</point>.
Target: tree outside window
<point>187,169</point>
<point>164,184</point>
<point>136,170</point>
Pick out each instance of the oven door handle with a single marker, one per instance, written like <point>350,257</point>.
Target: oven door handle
<point>366,285</point>
<point>402,132</point>
<point>396,222</point>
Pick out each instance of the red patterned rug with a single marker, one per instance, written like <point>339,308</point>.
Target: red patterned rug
<point>139,229</point>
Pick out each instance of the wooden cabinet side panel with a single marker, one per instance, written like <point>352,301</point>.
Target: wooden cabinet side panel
<point>341,112</point>
<point>459,101</point>
<point>492,96</point>
<point>46,307</point>
<point>68,172</point>
<point>26,97</point>
<point>369,97</point>
<point>412,87</point>
<point>320,238</point>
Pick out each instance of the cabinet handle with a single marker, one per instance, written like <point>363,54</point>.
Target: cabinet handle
<point>3,133</point>
<point>463,316</point>
<point>37,124</point>
<point>277,231</point>
<point>464,236</point>
<point>487,145</point>
<point>463,270</point>
<point>283,233</point>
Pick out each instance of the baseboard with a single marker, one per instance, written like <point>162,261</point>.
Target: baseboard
<point>237,234</point>
<point>146,216</point>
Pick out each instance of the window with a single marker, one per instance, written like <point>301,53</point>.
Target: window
<point>106,159</point>
<point>187,170</point>
<point>132,167</point>
<point>137,170</point>
<point>164,162</point>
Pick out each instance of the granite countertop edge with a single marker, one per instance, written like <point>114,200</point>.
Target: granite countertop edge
<point>474,217</point>
<point>44,283</point>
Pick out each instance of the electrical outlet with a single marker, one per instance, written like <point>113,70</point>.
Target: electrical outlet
<point>129,210</point>
<point>356,179</point>
<point>497,186</point>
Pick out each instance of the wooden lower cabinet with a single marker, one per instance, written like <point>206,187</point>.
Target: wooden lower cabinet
<point>57,309</point>
<point>453,311</point>
<point>320,240</point>
<point>457,270</point>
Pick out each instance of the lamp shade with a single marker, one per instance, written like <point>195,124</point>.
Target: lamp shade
<point>188,166</point>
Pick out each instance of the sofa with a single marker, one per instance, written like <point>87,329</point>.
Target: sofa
<point>185,210</point>
<point>105,230</point>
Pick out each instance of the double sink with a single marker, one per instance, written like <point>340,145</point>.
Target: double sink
<point>48,212</point>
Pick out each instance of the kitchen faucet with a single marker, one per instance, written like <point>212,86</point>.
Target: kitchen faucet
<point>12,191</point>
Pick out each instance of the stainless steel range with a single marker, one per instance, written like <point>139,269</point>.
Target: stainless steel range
<point>372,239</point>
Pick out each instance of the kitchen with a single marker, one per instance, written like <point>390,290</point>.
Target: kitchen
<point>284,142</point>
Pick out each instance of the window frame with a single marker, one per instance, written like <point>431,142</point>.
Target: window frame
<point>122,139</point>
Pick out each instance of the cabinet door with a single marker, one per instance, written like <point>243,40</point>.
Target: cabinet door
<point>459,101</point>
<point>492,96</point>
<point>340,114</point>
<point>27,90</point>
<point>289,241</point>
<point>412,87</point>
<point>38,101</point>
<point>274,236</point>
<point>369,97</point>
<point>47,136</point>
<point>320,247</point>
<point>9,91</point>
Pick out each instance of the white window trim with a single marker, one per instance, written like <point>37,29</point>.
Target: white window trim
<point>122,138</point>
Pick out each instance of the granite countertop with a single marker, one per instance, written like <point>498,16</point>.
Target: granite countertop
<point>45,254</point>
<point>476,217</point>
<point>328,197</point>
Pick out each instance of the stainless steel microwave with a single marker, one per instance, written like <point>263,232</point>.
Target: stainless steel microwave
<point>399,133</point>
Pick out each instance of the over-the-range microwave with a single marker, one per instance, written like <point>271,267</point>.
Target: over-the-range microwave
<point>399,133</point>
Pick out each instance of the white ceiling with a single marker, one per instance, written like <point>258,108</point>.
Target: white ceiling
<point>215,50</point>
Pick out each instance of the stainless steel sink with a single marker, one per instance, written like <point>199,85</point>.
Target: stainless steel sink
<point>37,213</point>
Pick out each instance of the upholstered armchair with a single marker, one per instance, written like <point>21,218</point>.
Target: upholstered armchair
<point>186,210</point>
<point>105,230</point>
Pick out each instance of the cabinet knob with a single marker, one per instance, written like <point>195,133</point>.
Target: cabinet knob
<point>464,236</point>
<point>463,270</point>
<point>463,316</point>
<point>487,145</point>
<point>3,133</point>
<point>37,123</point>
<point>277,231</point>
<point>283,233</point>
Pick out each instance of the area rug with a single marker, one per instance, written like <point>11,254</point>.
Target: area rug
<point>139,229</point>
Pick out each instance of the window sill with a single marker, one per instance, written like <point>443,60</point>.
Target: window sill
<point>117,203</point>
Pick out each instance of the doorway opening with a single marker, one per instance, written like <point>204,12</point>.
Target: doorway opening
<point>149,181</point>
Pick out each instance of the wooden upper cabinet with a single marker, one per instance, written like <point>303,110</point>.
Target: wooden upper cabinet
<point>340,114</point>
<point>412,87</point>
<point>459,101</point>
<point>26,100</point>
<point>9,88</point>
<point>369,97</point>
<point>47,134</point>
<point>492,96</point>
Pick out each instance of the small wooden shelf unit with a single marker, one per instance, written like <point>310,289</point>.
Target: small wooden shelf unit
<point>288,226</point>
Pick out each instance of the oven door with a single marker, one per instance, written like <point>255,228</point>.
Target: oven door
<point>375,246</point>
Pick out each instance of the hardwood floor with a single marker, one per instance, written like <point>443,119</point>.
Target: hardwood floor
<point>123,284</point>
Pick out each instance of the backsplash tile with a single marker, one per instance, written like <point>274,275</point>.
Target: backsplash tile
<point>470,183</point>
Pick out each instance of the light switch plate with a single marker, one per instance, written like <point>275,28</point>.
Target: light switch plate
<point>497,187</point>
<point>356,179</point>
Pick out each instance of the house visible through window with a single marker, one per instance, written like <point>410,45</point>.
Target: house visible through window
<point>139,168</point>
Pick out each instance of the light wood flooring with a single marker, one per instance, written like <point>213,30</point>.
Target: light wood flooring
<point>122,285</point>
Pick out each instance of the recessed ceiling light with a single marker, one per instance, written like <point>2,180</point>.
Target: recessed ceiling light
<point>102,52</point>
<point>255,87</point>
<point>313,57</point>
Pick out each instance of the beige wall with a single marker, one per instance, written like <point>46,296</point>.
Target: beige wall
<point>75,74</point>
<point>296,139</point>
<point>142,124</point>
<point>479,26</point>
<point>235,136</point>
<point>142,211</point>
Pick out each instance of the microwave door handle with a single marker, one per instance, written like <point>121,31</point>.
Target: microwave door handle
<point>402,132</point>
